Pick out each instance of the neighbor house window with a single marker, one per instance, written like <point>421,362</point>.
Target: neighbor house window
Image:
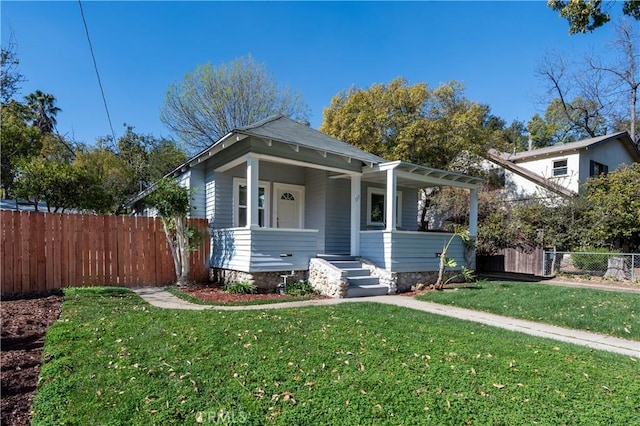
<point>560,168</point>
<point>377,207</point>
<point>596,169</point>
<point>240,203</point>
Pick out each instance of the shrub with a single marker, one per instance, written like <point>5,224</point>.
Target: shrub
<point>241,288</point>
<point>592,259</point>
<point>299,288</point>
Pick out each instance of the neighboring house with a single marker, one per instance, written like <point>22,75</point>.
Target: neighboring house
<point>26,206</point>
<point>284,199</point>
<point>561,169</point>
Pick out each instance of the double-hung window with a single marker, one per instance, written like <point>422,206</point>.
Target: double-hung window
<point>560,168</point>
<point>240,203</point>
<point>377,207</point>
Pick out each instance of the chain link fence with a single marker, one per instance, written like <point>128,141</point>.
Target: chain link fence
<point>612,266</point>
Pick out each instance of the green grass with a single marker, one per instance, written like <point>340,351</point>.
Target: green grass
<point>282,299</point>
<point>113,359</point>
<point>608,312</point>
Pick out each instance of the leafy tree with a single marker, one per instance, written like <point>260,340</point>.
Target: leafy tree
<point>132,163</point>
<point>43,110</point>
<point>587,15</point>
<point>59,184</point>
<point>559,224</point>
<point>566,122</point>
<point>18,141</point>
<point>496,229</point>
<point>10,77</point>
<point>412,123</point>
<point>212,101</point>
<point>172,203</point>
<point>614,216</point>
<point>516,136</point>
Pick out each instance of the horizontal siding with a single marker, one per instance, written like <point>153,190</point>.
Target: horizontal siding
<point>231,249</point>
<point>409,251</point>
<point>315,202</point>
<point>409,208</point>
<point>198,196</point>
<point>261,250</point>
<point>372,247</point>
<point>306,155</point>
<point>338,216</point>
<point>210,194</point>
<point>223,217</point>
<point>282,173</point>
<point>281,250</point>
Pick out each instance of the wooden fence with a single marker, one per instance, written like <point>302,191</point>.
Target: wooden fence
<point>47,251</point>
<point>515,261</point>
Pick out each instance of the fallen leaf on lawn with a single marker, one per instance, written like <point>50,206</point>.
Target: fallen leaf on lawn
<point>200,417</point>
<point>499,385</point>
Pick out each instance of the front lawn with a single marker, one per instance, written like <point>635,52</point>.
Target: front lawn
<point>114,359</point>
<point>608,312</point>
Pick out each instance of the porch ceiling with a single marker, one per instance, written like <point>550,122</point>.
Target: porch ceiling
<point>417,176</point>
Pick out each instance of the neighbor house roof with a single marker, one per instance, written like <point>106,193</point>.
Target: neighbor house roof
<point>501,159</point>
<point>585,144</point>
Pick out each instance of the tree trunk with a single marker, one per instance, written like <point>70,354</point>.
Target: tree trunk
<point>438,284</point>
<point>183,250</point>
<point>179,249</point>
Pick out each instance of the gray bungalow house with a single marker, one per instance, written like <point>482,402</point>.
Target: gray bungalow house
<point>285,201</point>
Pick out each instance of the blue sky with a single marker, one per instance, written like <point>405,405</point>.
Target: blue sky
<point>316,48</point>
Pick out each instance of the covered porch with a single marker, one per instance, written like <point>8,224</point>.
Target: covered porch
<point>374,228</point>
<point>396,248</point>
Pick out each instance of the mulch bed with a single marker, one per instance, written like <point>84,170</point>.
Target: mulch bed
<point>215,293</point>
<point>24,325</point>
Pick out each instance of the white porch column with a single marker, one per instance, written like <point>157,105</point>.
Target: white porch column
<point>252,191</point>
<point>473,213</point>
<point>391,213</point>
<point>356,200</point>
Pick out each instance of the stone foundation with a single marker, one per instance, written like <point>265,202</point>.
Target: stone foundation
<point>406,280</point>
<point>327,279</point>
<point>266,282</point>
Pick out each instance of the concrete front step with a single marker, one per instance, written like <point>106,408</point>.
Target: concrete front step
<point>335,257</point>
<point>361,283</point>
<point>363,280</point>
<point>357,272</point>
<point>367,290</point>
<point>346,264</point>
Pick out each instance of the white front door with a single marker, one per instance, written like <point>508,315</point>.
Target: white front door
<point>289,206</point>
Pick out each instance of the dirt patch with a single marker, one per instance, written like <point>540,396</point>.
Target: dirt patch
<point>214,293</point>
<point>24,325</point>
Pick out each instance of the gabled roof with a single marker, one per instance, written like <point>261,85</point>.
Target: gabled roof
<point>283,129</point>
<point>584,144</point>
<point>500,159</point>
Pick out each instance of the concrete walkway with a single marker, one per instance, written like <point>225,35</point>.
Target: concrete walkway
<point>163,299</point>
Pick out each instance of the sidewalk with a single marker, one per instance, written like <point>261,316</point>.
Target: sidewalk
<point>163,299</point>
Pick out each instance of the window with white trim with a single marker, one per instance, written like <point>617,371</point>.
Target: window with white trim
<point>560,168</point>
<point>377,207</point>
<point>240,203</point>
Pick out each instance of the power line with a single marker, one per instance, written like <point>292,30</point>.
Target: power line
<point>95,66</point>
